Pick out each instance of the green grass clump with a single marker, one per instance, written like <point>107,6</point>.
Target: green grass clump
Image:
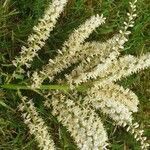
<point>17,17</point>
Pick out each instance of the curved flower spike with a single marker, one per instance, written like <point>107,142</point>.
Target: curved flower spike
<point>36,125</point>
<point>40,33</point>
<point>109,106</point>
<point>118,93</point>
<point>117,69</point>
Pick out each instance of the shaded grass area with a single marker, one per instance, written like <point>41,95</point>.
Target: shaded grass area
<point>17,18</point>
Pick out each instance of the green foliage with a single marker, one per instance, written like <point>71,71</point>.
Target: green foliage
<point>17,18</point>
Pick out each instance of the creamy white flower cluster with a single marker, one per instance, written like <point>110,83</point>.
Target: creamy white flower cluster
<point>122,67</point>
<point>70,52</point>
<point>105,102</point>
<point>40,33</point>
<point>117,92</point>
<point>114,70</point>
<point>119,104</point>
<point>97,65</point>
<point>36,124</point>
<point>102,62</point>
<point>84,124</point>
<point>94,53</point>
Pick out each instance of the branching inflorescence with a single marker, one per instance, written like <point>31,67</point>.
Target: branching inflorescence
<point>96,63</point>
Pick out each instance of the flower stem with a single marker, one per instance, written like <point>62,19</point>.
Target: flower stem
<point>43,87</point>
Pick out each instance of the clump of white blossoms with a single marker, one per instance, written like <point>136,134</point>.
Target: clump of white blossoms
<point>40,33</point>
<point>36,124</point>
<point>97,67</point>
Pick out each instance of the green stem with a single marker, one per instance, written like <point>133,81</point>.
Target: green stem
<point>43,87</point>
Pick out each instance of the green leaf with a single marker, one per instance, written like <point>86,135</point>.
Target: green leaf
<point>5,105</point>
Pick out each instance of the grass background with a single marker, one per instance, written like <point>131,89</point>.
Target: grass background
<point>17,17</point>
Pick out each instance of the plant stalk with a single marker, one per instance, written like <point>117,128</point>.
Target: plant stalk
<point>42,87</point>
